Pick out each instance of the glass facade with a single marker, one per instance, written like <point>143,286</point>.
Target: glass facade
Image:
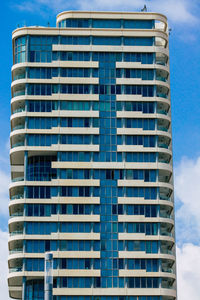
<point>91,153</point>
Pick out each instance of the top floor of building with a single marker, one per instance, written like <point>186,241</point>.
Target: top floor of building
<point>115,21</point>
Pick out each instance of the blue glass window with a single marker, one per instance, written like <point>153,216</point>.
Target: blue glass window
<point>113,41</point>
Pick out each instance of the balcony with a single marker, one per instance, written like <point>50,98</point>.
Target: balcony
<point>166,215</point>
<point>19,144</point>
<point>16,179</point>
<point>18,110</point>
<point>19,76</point>
<point>18,196</point>
<point>22,126</point>
<point>17,232</point>
<point>14,251</point>
<point>164,158</point>
<point>167,270</point>
<point>164,177</point>
<point>166,251</point>
<point>161,62</point>
<point>162,112</point>
<point>18,269</point>
<point>163,161</point>
<point>161,59</point>
<point>166,233</point>
<point>159,78</point>
<point>162,95</point>
<point>17,214</point>
<point>162,128</point>
<point>165,197</point>
<point>19,93</point>
<point>163,145</point>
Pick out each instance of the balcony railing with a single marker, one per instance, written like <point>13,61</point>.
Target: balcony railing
<point>162,128</point>
<point>17,214</point>
<point>161,62</point>
<point>163,161</point>
<point>164,179</point>
<point>18,110</point>
<point>19,269</point>
<point>18,127</point>
<point>166,251</point>
<point>19,144</point>
<point>17,179</point>
<point>161,78</point>
<point>165,197</point>
<point>161,95</point>
<point>162,112</point>
<point>166,233</point>
<point>17,232</point>
<point>167,270</point>
<point>166,216</point>
<point>163,145</point>
<point>18,196</point>
<point>19,76</point>
<point>18,250</point>
<point>19,93</point>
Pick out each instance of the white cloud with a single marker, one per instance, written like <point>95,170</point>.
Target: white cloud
<point>187,191</point>
<point>188,272</point>
<point>4,265</point>
<point>179,11</point>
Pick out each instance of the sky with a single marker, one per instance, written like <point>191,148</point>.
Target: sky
<point>184,21</point>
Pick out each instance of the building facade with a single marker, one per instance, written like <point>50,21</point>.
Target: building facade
<point>91,159</point>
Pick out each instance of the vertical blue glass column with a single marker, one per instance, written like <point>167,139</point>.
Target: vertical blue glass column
<point>108,184</point>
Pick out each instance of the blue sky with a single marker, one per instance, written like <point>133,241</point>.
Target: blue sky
<point>184,20</point>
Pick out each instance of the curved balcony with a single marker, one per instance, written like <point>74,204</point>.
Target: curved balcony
<point>164,158</point>
<point>15,246</point>
<point>164,142</point>
<point>162,112</point>
<point>162,75</point>
<point>18,76</point>
<point>19,73</point>
<point>16,232</point>
<point>167,229</point>
<point>166,212</point>
<point>165,176</point>
<point>17,196</point>
<point>17,214</point>
<point>19,110</point>
<point>162,95</point>
<point>18,144</point>
<point>16,251</point>
<point>17,127</point>
<point>161,59</point>
<point>17,269</point>
<point>16,179</point>
<point>167,248</point>
<point>20,92</point>
<point>163,125</point>
<point>163,145</point>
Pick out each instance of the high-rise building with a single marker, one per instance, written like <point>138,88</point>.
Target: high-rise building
<point>91,159</point>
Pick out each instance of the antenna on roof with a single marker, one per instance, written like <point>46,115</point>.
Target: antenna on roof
<point>144,9</point>
<point>48,24</point>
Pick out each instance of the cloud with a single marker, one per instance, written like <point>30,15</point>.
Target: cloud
<point>187,192</point>
<point>188,272</point>
<point>179,11</point>
<point>4,265</point>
